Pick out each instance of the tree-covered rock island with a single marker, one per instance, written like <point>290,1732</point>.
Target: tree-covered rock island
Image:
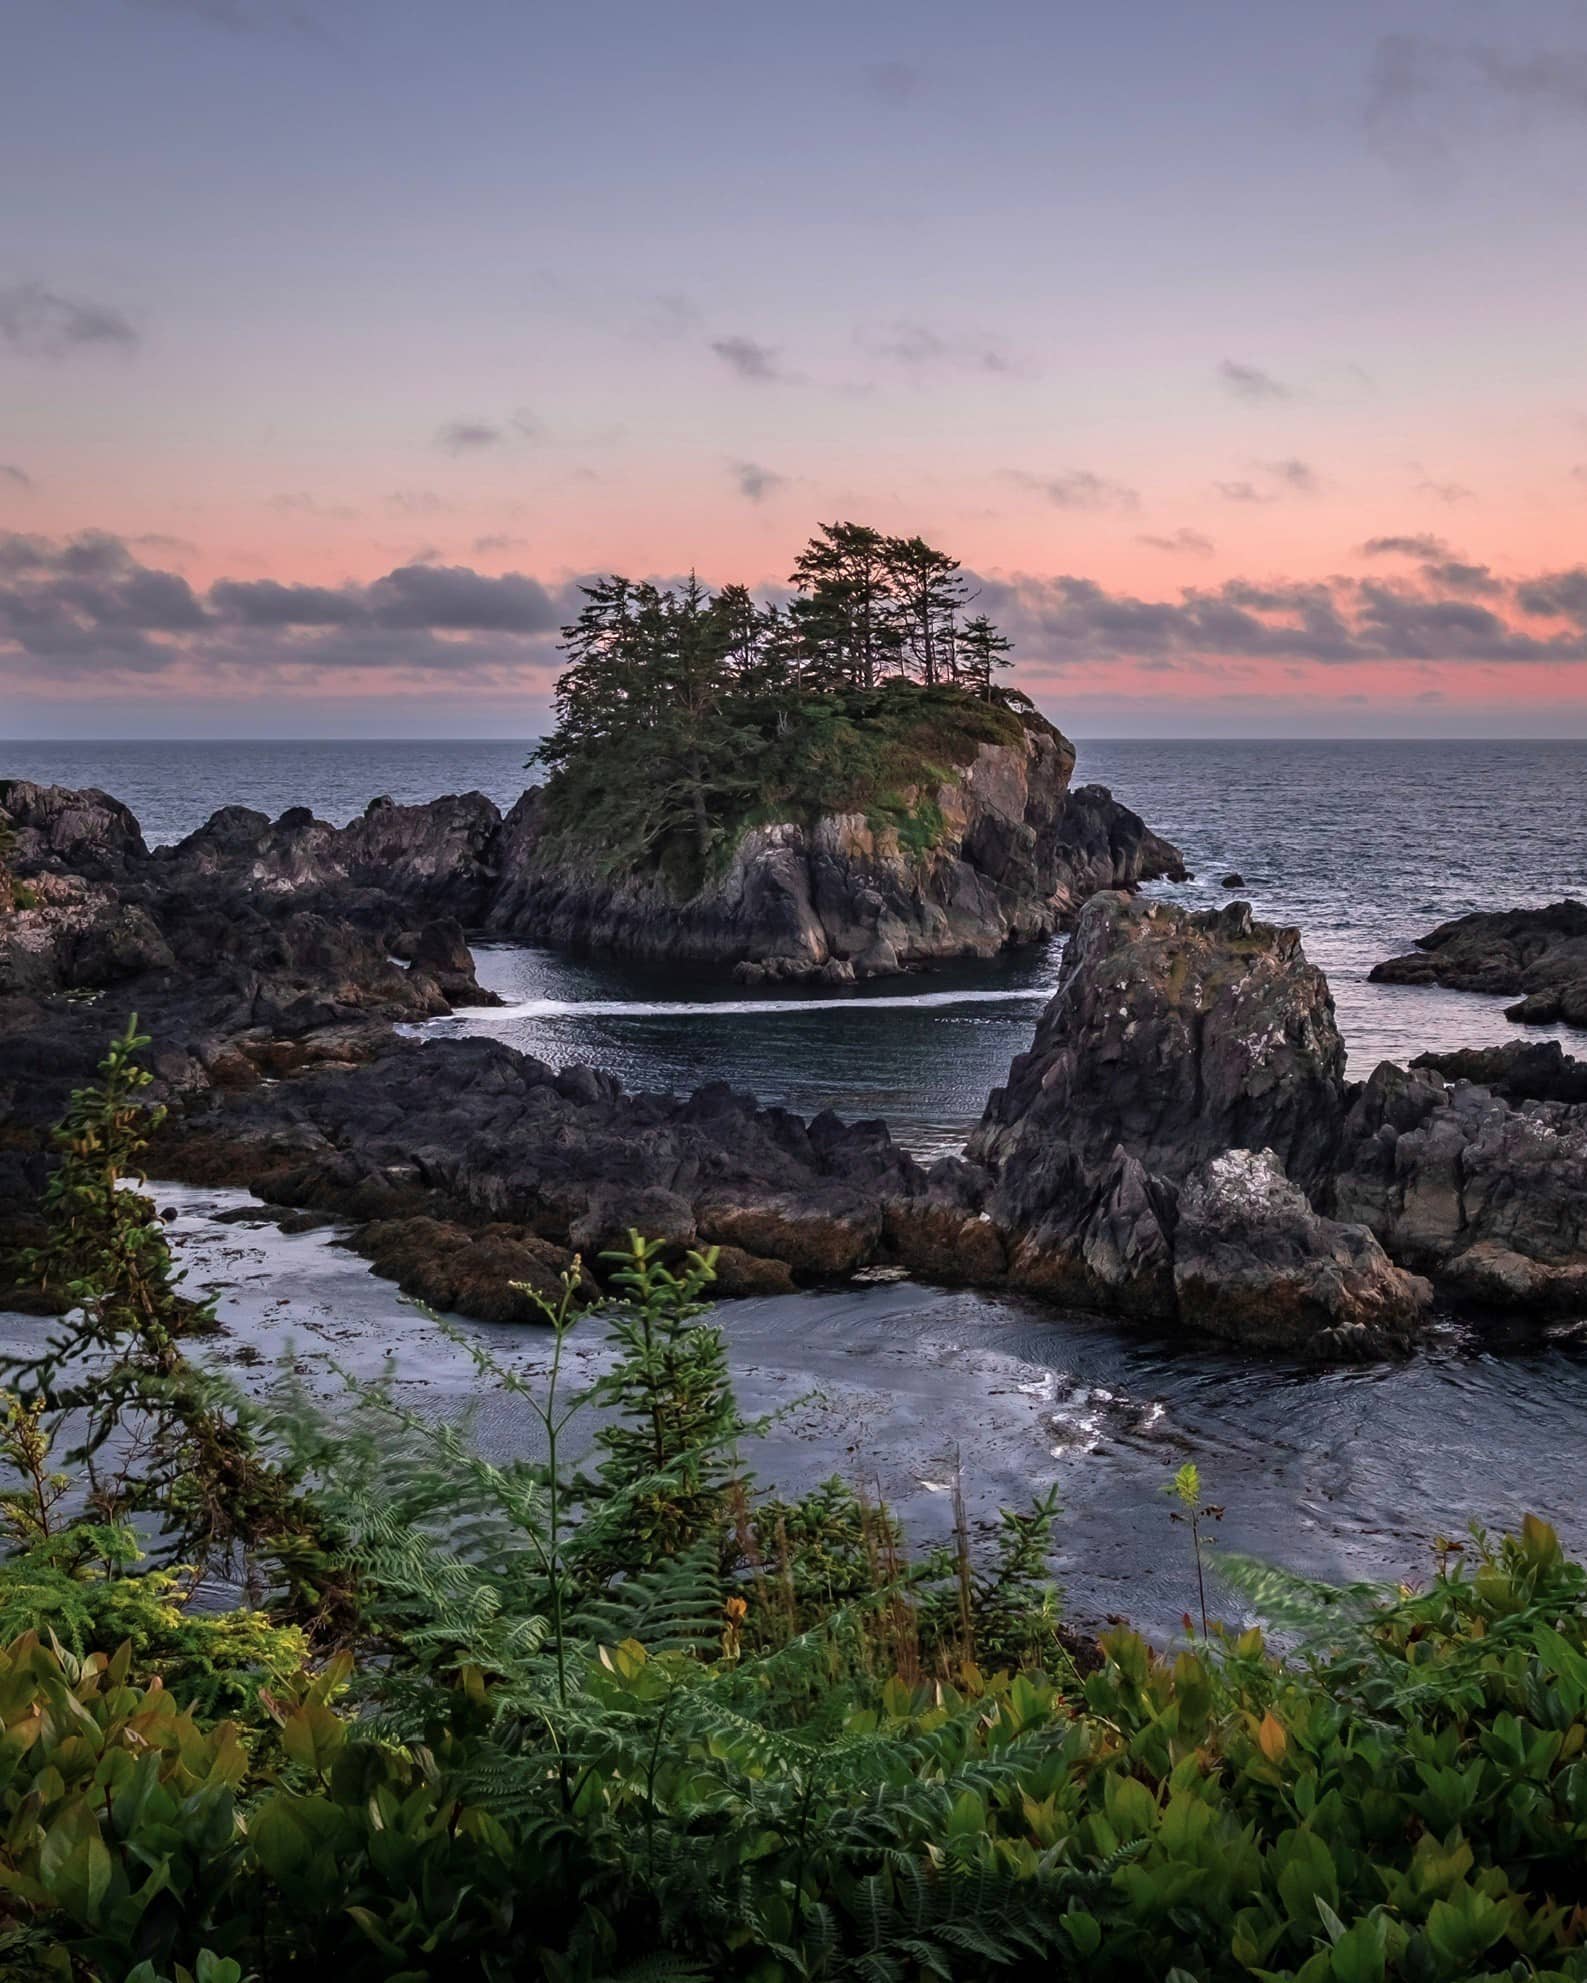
<point>835,787</point>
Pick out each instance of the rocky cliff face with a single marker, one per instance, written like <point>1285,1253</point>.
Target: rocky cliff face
<point>1012,852</point>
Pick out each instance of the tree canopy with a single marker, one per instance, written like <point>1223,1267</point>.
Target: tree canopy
<point>683,695</point>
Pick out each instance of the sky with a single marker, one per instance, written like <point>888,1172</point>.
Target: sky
<point>1239,351</point>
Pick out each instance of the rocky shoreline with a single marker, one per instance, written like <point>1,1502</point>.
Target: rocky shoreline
<point>1179,1147</point>
<point>1536,956</point>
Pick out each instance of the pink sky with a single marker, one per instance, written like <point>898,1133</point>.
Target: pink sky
<point>1155,322</point>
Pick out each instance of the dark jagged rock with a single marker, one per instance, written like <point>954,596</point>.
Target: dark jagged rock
<point>431,1137</point>
<point>1156,1151</point>
<point>1521,1070</point>
<point>1235,880</point>
<point>846,896</point>
<point>1487,1194</point>
<point>1176,1036</point>
<point>87,832</point>
<point>433,858</point>
<point>1539,953</point>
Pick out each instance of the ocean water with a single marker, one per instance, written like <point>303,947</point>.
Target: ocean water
<point>1345,1474</point>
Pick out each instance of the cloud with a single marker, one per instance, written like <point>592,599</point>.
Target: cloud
<point>300,503</point>
<point>755,483</point>
<point>1184,542</point>
<point>1076,489</point>
<point>1455,576</point>
<point>751,359</point>
<point>1287,477</point>
<point>416,502</point>
<point>1333,622</point>
<point>1251,383</point>
<point>916,347</point>
<point>474,436</point>
<point>1446,492</point>
<point>38,323</point>
<point>467,437</point>
<point>894,83</point>
<point>494,543</point>
<point>1579,472</point>
<point>89,604</point>
<point>1427,100</point>
<point>1405,547</point>
<point>14,477</point>
<point>89,610</point>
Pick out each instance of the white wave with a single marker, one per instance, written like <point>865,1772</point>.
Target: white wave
<point>477,1017</point>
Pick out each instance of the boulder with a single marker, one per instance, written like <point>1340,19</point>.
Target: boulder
<point>1254,1262</point>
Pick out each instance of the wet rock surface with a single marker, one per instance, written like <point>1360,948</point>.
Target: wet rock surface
<point>1540,954</point>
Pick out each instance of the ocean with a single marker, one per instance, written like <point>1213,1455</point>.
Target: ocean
<point>1337,1473</point>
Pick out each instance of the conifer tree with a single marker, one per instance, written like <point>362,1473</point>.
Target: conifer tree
<point>981,651</point>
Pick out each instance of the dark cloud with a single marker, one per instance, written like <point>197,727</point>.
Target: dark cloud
<point>1076,489</point>
<point>90,602</point>
<point>750,359</point>
<point>16,478</point>
<point>1073,620</point>
<point>1251,383</point>
<point>1405,547</point>
<point>1455,576</point>
<point>755,483</point>
<point>1184,542</point>
<point>490,545</point>
<point>895,83</point>
<point>1557,595</point>
<point>37,323</point>
<point>263,602</point>
<point>90,607</point>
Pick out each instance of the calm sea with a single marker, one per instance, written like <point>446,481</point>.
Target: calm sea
<point>1338,1473</point>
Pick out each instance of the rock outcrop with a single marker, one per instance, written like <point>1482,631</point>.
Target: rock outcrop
<point>1157,1150</point>
<point>1538,956</point>
<point>1012,853</point>
<point>1485,1193</point>
<point>1180,1143</point>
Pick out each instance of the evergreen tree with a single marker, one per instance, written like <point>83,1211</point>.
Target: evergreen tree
<point>845,611</point>
<point>981,650</point>
<point>928,596</point>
